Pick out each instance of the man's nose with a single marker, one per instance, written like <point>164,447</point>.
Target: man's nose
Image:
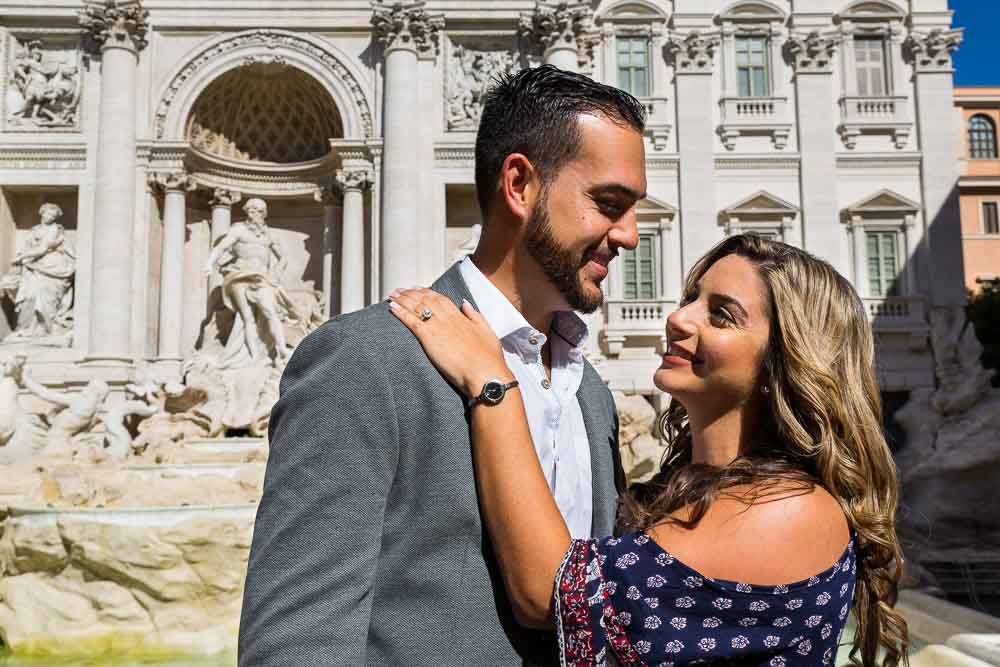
<point>625,234</point>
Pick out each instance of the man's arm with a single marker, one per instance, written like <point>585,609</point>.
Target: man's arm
<point>225,244</point>
<point>43,392</point>
<point>334,448</point>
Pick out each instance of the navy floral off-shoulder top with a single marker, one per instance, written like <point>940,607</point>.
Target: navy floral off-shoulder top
<point>626,601</point>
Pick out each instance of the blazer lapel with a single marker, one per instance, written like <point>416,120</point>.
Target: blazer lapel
<point>605,463</point>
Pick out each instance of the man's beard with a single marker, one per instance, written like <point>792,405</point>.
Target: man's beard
<point>560,265</point>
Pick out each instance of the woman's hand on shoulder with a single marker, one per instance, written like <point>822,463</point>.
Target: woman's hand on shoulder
<point>459,342</point>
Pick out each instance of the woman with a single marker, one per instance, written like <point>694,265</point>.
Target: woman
<point>774,513</point>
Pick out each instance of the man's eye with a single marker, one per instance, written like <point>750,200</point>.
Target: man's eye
<point>610,208</point>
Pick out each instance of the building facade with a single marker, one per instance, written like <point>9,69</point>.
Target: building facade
<point>828,124</point>
<point>979,184</point>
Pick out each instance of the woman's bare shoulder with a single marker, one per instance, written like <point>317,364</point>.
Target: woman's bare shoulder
<point>781,533</point>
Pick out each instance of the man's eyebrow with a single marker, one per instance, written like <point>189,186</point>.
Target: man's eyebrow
<point>617,189</point>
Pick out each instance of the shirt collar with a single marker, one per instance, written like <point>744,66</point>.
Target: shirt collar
<point>507,321</point>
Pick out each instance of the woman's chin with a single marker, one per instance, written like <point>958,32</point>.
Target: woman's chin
<point>666,380</point>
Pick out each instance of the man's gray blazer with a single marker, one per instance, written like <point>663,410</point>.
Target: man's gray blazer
<point>368,547</point>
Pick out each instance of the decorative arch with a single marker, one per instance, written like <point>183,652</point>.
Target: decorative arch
<point>633,9</point>
<point>982,138</point>
<point>880,10</point>
<point>754,10</point>
<point>323,62</point>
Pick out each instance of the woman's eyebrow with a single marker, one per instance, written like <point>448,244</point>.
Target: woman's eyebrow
<point>725,298</point>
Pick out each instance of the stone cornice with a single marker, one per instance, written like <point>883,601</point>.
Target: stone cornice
<point>42,157</point>
<point>406,25</point>
<point>116,24</point>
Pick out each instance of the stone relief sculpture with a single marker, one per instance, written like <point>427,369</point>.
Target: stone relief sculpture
<point>45,86</point>
<point>251,262</point>
<point>41,283</point>
<point>470,72</point>
<point>68,428</point>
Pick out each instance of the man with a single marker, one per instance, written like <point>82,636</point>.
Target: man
<point>368,547</point>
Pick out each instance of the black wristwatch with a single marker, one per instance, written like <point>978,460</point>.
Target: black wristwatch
<point>492,393</point>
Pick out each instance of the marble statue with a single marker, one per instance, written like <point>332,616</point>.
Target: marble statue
<point>75,414</point>
<point>137,403</point>
<point>41,283</point>
<point>46,91</point>
<point>251,262</point>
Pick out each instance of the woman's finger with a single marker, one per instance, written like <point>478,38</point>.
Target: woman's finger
<point>405,315</point>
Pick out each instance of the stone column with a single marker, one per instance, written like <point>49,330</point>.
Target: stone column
<point>564,31</point>
<point>222,202</point>
<point>812,55</point>
<point>175,186</point>
<point>353,182</point>
<point>405,30</point>
<point>119,30</point>
<point>329,197</point>
<point>940,251</point>
<point>694,62</point>
<point>857,230</point>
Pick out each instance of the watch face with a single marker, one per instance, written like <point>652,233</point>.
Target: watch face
<point>493,392</point>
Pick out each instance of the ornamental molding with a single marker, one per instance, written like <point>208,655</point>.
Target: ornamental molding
<point>268,45</point>
<point>694,52</point>
<point>813,52</point>
<point>879,161</point>
<point>121,24</point>
<point>354,179</point>
<point>406,25</point>
<point>755,162</point>
<point>43,157</point>
<point>170,181</point>
<point>932,52</point>
<point>455,156</point>
<point>562,25</point>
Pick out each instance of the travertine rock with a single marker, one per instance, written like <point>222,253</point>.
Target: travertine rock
<point>139,582</point>
<point>641,451</point>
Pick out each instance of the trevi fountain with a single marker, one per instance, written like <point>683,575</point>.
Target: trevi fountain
<point>180,206</point>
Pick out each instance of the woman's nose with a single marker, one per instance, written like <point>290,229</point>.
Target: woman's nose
<point>679,325</point>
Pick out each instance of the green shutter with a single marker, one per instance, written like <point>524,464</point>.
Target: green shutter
<point>752,67</point>
<point>882,263</point>
<point>639,269</point>
<point>633,65</point>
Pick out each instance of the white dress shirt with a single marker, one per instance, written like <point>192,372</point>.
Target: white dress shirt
<point>554,416</point>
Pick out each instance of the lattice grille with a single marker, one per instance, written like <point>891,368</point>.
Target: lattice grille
<point>265,113</point>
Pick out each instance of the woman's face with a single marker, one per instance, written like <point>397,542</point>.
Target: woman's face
<point>717,339</point>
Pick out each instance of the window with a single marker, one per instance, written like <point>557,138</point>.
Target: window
<point>882,263</point>
<point>751,67</point>
<point>639,269</point>
<point>982,138</point>
<point>869,59</point>
<point>633,65</point>
<point>991,224</point>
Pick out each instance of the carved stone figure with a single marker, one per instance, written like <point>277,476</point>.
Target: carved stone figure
<point>251,262</point>
<point>470,74</point>
<point>136,404</point>
<point>45,88</point>
<point>75,414</point>
<point>41,283</point>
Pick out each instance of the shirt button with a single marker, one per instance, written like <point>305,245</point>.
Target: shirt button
<point>533,340</point>
<point>546,384</point>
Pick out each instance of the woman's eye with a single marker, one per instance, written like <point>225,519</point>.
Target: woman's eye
<point>722,315</point>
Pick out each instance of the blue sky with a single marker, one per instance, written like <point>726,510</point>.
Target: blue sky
<point>977,62</point>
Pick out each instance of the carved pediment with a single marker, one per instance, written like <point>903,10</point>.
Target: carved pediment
<point>872,9</point>
<point>884,201</point>
<point>759,203</point>
<point>653,208</point>
<point>631,9</point>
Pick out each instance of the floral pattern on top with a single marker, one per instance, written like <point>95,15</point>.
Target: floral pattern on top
<point>626,601</point>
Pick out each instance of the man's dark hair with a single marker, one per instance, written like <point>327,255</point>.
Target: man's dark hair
<point>536,112</point>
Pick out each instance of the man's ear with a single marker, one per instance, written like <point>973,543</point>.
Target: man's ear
<point>519,185</point>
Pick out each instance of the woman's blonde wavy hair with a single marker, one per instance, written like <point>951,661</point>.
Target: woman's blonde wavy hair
<point>823,425</point>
